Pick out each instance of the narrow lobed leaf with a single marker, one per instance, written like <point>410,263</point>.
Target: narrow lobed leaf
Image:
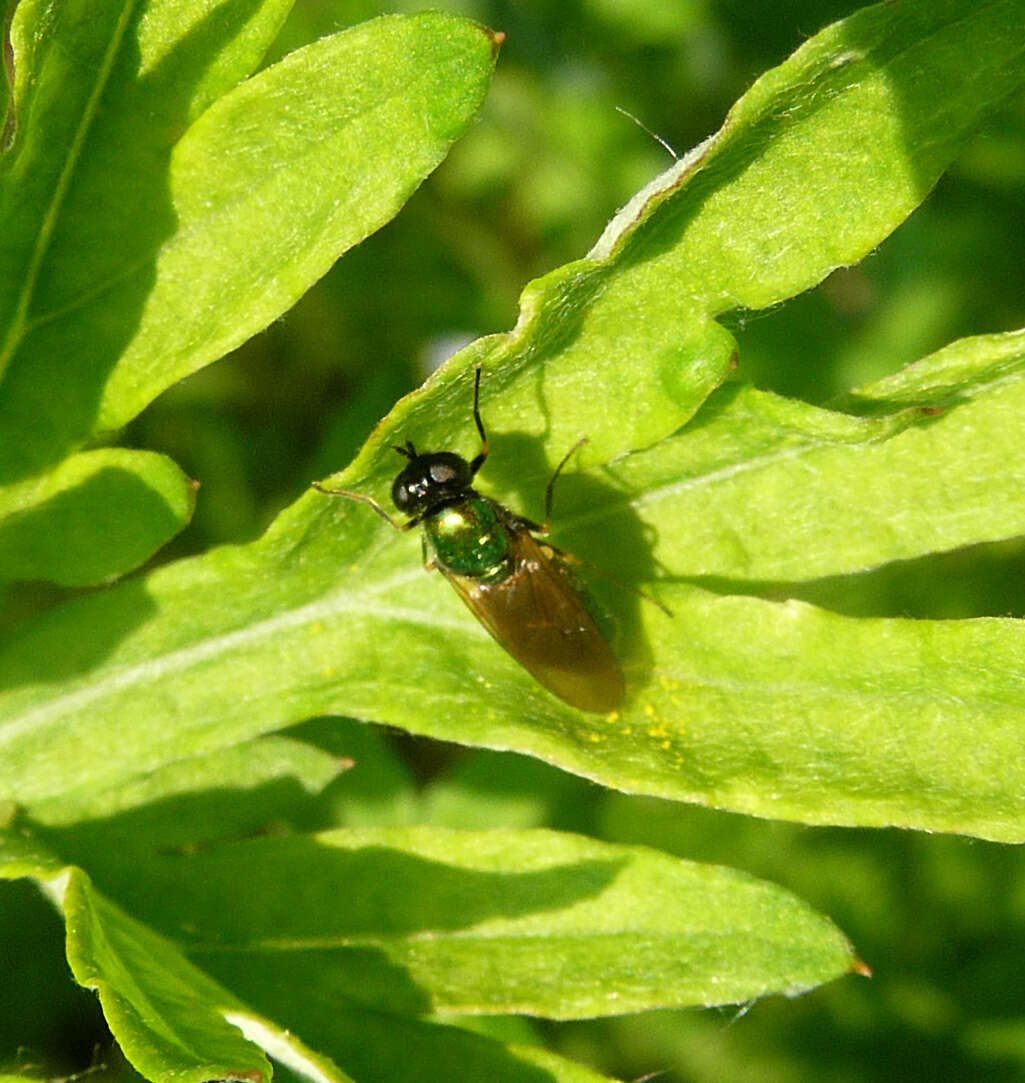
<point>100,97</point>
<point>813,169</point>
<point>223,227</point>
<point>776,709</point>
<point>486,922</point>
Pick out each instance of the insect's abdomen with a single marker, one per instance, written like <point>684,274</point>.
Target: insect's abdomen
<point>471,539</point>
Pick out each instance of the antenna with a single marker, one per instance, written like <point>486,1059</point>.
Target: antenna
<point>640,124</point>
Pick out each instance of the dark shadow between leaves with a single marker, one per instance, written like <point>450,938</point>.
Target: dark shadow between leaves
<point>985,580</point>
<point>382,1046</point>
<point>48,1024</point>
<point>289,923</point>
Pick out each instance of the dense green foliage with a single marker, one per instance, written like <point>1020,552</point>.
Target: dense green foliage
<point>815,489</point>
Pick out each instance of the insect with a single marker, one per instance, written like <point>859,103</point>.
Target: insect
<point>519,587</point>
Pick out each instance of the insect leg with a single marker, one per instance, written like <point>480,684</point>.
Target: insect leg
<point>478,460</point>
<point>551,482</point>
<point>368,500</point>
<point>566,557</point>
<point>429,562</point>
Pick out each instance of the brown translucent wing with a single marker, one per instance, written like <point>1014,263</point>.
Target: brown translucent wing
<point>538,617</point>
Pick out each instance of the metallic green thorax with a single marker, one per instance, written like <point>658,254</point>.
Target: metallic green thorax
<point>471,538</point>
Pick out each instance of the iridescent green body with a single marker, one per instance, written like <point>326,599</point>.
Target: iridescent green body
<point>471,538</point>
<point>526,596</point>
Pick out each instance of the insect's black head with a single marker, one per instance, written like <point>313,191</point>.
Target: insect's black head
<point>430,480</point>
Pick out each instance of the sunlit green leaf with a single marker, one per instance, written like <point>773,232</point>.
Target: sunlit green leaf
<point>574,927</point>
<point>151,222</point>
<point>100,97</point>
<point>774,708</point>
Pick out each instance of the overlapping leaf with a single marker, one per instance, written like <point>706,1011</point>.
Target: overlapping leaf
<point>573,927</point>
<point>776,709</point>
<point>773,708</point>
<point>150,222</point>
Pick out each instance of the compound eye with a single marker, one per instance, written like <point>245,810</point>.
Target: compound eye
<point>442,473</point>
<point>400,495</point>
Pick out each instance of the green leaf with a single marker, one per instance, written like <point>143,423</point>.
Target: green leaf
<point>226,226</point>
<point>97,515</point>
<point>232,792</point>
<point>171,1021</point>
<point>815,166</point>
<point>778,709</point>
<point>765,489</point>
<point>555,914</point>
<point>150,224</point>
<point>160,1006</point>
<point>100,97</point>
<point>360,118</point>
<point>167,1032</point>
<point>575,928</point>
<point>823,157</point>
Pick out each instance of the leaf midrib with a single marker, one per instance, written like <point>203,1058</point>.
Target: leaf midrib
<point>181,658</point>
<point>43,237</point>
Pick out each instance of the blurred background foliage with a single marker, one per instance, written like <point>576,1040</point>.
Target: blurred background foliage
<point>940,920</point>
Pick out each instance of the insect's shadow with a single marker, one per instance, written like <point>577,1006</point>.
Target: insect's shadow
<point>608,546</point>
